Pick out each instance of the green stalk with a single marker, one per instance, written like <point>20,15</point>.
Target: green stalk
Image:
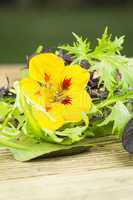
<point>8,143</point>
<point>36,131</point>
<point>7,118</point>
<point>108,102</point>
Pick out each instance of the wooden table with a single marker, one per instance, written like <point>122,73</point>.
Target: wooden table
<point>104,173</point>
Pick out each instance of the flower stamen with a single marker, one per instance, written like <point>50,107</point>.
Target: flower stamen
<point>67,100</point>
<point>46,77</point>
<point>47,108</point>
<point>66,83</point>
<point>38,93</point>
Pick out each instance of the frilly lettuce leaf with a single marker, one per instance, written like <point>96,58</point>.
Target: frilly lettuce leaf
<point>126,72</point>
<point>79,50</point>
<point>106,73</point>
<point>108,47</point>
<point>113,69</point>
<point>120,116</point>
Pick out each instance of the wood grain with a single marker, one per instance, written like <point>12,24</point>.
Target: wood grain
<point>113,184</point>
<point>104,173</point>
<point>108,156</point>
<point>10,71</point>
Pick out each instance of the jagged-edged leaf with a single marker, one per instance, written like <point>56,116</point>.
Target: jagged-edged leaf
<point>120,116</point>
<point>106,73</point>
<point>108,46</point>
<point>79,50</point>
<point>126,73</point>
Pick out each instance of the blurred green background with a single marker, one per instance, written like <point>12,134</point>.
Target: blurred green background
<point>25,24</point>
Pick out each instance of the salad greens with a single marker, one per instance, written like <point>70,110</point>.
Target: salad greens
<point>114,70</point>
<point>111,90</point>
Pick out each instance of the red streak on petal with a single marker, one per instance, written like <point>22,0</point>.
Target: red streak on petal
<point>47,108</point>
<point>46,77</point>
<point>38,93</point>
<point>66,83</point>
<point>67,100</point>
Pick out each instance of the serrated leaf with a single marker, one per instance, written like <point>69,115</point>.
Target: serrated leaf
<point>79,50</point>
<point>107,74</point>
<point>107,46</point>
<point>107,52</point>
<point>120,116</point>
<point>126,73</point>
<point>114,70</point>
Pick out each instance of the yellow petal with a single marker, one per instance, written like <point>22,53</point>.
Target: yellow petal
<point>32,90</point>
<point>79,76</point>
<point>46,67</point>
<point>52,120</point>
<point>80,103</point>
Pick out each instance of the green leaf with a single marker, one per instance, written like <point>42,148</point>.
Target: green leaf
<point>68,135</point>
<point>107,46</point>
<point>4,109</point>
<point>114,99</point>
<point>39,49</point>
<point>45,149</point>
<point>107,74</point>
<point>9,143</point>
<point>120,116</point>
<point>108,61</point>
<point>126,73</point>
<point>31,126</point>
<point>79,50</point>
<point>114,70</point>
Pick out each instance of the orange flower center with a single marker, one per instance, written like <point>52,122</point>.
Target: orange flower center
<point>56,95</point>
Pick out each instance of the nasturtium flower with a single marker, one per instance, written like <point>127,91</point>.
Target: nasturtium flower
<point>57,92</point>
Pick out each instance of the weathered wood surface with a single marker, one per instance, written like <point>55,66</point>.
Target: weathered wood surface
<point>104,173</point>
<point>10,71</point>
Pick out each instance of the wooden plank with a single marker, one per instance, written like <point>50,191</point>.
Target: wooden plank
<point>116,184</point>
<point>108,156</point>
<point>10,71</point>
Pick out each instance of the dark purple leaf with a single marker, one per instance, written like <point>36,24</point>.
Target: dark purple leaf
<point>127,139</point>
<point>84,64</point>
<point>47,50</point>
<point>67,58</point>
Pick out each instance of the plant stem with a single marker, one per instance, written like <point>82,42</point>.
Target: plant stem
<point>114,100</point>
<point>8,143</point>
<point>7,118</point>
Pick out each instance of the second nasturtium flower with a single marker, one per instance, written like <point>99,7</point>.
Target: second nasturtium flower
<point>57,92</point>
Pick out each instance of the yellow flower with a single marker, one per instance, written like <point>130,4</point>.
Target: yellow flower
<point>57,92</point>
